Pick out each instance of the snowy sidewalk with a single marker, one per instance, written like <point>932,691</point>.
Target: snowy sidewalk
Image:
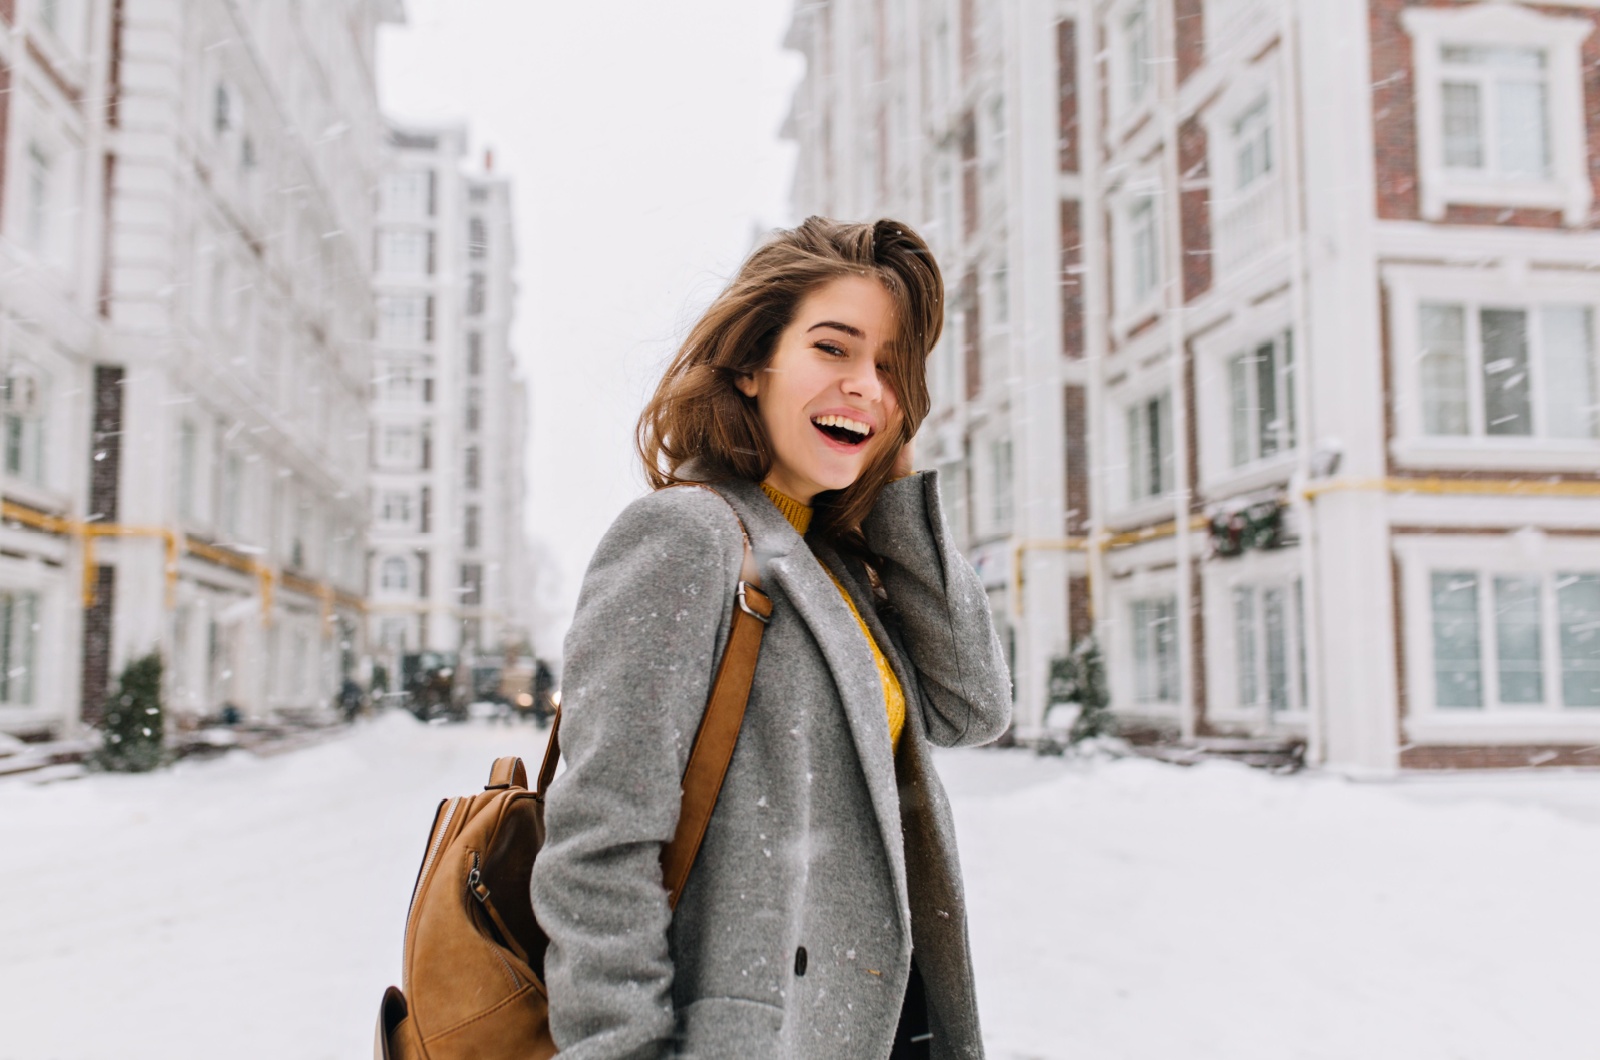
<point>253,907</point>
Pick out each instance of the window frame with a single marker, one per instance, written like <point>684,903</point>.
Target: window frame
<point>1127,107</point>
<point>1129,306</point>
<point>1568,188</point>
<point>1488,557</point>
<point>1409,287</point>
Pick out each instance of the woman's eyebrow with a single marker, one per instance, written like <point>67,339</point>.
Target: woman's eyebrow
<point>853,332</point>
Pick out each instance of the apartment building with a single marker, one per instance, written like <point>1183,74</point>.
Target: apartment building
<point>53,132</point>
<point>188,310</point>
<point>449,408</point>
<point>1272,335</point>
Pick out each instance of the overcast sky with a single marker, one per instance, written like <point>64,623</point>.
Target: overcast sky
<point>642,138</point>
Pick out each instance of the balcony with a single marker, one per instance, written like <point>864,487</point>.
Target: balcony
<point>1248,224</point>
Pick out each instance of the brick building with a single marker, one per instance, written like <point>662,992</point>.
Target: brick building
<point>1272,341</point>
<point>187,241</point>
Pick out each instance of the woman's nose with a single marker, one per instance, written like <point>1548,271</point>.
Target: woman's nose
<point>862,380</point>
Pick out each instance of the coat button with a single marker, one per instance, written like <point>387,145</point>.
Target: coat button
<point>800,961</point>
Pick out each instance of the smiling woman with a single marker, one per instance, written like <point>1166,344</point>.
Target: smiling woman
<point>824,916</point>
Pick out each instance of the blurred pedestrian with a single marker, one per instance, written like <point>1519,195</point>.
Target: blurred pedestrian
<point>824,916</point>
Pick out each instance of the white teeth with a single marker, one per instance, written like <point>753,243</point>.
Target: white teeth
<point>863,429</point>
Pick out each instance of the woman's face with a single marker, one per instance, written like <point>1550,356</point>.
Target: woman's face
<point>824,399</point>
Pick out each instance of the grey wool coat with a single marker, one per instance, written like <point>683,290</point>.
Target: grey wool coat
<point>821,840</point>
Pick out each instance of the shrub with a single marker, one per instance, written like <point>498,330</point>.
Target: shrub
<point>135,722</point>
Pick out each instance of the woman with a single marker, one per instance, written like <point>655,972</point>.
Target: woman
<point>824,916</point>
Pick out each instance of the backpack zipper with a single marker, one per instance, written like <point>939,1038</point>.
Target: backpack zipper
<point>427,863</point>
<point>473,878</point>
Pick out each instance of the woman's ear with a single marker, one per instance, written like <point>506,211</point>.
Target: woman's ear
<point>746,383</point>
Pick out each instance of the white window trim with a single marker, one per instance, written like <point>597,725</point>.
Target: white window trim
<point>1419,557</point>
<point>1129,313</point>
<point>1266,196</point>
<point>1143,585</point>
<point>1511,287</point>
<point>1126,114</point>
<point>1280,568</point>
<point>1138,388</point>
<point>1569,188</point>
<point>1249,327</point>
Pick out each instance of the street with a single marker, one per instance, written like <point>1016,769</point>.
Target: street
<point>253,907</point>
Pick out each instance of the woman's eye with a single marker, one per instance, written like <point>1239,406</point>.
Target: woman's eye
<point>830,349</point>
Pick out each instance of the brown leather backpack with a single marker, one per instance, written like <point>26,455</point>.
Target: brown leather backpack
<point>474,952</point>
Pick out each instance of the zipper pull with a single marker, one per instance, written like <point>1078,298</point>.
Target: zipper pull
<point>475,882</point>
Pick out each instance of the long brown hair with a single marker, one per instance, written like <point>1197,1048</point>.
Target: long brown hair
<point>697,414</point>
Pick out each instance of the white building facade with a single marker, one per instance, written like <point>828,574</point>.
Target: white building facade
<point>1272,354</point>
<point>53,131</point>
<point>449,415</point>
<point>190,407</point>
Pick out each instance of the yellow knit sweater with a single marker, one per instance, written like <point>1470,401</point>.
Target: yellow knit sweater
<point>894,698</point>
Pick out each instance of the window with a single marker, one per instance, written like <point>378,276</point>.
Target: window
<point>395,574</point>
<point>405,318</point>
<point>233,486</point>
<point>224,110</point>
<point>400,445</point>
<point>405,253</point>
<point>474,469</point>
<point>1252,144</point>
<point>396,507</point>
<point>1138,253</point>
<point>474,409</point>
<point>470,526</point>
<point>1495,120</point>
<point>40,181</point>
<point>399,383</point>
<point>1261,400</point>
<point>1155,650</point>
<point>188,469</point>
<point>471,585</point>
<point>409,195</point>
<point>474,353</point>
<point>1507,371</point>
<point>1150,463</point>
<point>25,408</point>
<point>1131,58</point>
<point>19,626</point>
<point>1515,640</point>
<point>477,294</point>
<point>1002,295</point>
<point>1269,647</point>
<point>1500,111</point>
<point>477,238</point>
<point>50,14</point>
<point>1002,470</point>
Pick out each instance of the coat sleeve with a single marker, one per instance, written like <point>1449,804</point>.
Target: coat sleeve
<point>944,614</point>
<point>650,620</point>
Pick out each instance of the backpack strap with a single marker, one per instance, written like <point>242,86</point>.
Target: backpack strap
<point>719,726</point>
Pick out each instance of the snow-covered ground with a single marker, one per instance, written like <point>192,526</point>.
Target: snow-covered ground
<point>1120,909</point>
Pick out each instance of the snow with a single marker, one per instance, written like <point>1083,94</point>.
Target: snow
<point>253,906</point>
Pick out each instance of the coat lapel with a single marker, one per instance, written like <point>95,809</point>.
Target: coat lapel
<point>788,561</point>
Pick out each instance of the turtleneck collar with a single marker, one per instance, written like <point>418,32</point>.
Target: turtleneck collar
<point>799,515</point>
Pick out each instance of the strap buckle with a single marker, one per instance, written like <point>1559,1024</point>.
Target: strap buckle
<point>745,606</point>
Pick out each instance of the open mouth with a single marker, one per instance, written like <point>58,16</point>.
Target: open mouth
<point>843,429</point>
